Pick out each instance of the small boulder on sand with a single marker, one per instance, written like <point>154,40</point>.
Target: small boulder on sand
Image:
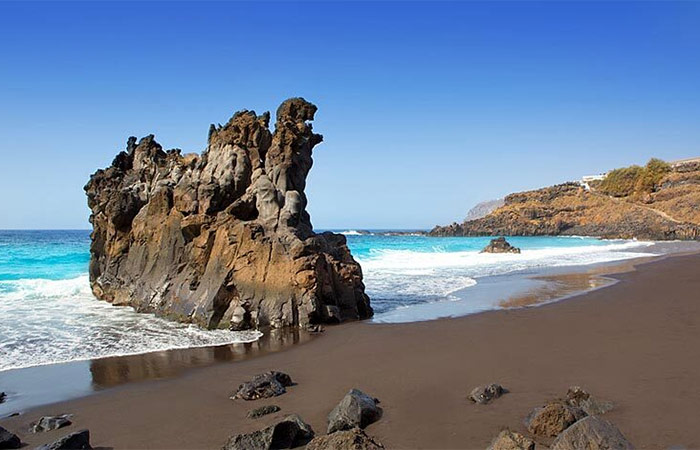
<point>592,433</point>
<point>484,394</point>
<point>265,385</point>
<point>262,411</point>
<point>9,440</point>
<point>79,440</point>
<point>500,245</point>
<point>290,432</point>
<point>577,396</point>
<point>553,418</point>
<point>355,439</point>
<point>48,423</point>
<point>510,440</point>
<point>356,409</point>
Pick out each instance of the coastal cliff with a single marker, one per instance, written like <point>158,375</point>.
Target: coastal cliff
<point>657,202</point>
<point>222,240</point>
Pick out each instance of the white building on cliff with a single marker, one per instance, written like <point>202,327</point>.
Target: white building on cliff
<point>586,179</point>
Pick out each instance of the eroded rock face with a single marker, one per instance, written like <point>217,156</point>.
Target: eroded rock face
<point>222,239</point>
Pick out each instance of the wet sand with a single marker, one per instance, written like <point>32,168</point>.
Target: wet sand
<point>34,386</point>
<point>636,342</point>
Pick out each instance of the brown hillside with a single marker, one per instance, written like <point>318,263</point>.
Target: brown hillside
<point>651,202</point>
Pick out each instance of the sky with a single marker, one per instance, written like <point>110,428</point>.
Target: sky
<point>425,108</point>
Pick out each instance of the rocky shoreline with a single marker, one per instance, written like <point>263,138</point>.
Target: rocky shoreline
<point>666,210</point>
<point>222,240</point>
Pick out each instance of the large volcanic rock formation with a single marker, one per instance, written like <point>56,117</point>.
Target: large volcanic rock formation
<point>222,239</point>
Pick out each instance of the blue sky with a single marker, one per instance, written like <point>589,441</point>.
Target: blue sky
<point>426,108</point>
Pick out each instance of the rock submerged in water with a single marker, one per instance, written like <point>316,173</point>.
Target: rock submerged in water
<point>592,433</point>
<point>484,394</point>
<point>510,440</point>
<point>290,432</point>
<point>264,385</point>
<point>48,423</point>
<point>355,410</point>
<point>500,245</point>
<point>2,397</point>
<point>80,440</point>
<point>553,418</point>
<point>354,439</point>
<point>262,411</point>
<point>9,440</point>
<point>222,240</point>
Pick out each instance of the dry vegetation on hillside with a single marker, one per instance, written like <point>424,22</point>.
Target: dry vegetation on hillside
<point>656,201</point>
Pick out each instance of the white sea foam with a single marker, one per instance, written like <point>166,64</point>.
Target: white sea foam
<point>398,278</point>
<point>47,321</point>
<point>351,233</point>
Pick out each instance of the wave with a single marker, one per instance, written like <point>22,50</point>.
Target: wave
<point>399,278</point>
<point>405,259</point>
<point>355,233</point>
<point>53,321</point>
<point>40,287</point>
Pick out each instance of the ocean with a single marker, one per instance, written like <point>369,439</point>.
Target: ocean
<point>50,315</point>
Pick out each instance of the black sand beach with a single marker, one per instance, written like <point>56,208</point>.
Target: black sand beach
<point>633,343</point>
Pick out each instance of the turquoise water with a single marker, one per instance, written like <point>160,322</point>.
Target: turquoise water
<point>405,270</point>
<point>374,243</point>
<point>50,315</point>
<point>46,254</point>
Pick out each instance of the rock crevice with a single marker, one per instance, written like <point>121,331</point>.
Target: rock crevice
<point>222,240</point>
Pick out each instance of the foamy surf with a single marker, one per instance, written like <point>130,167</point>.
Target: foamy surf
<point>397,279</point>
<point>54,321</point>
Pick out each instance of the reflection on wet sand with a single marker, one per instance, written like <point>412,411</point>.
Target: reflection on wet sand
<point>39,385</point>
<point>108,372</point>
<point>554,287</point>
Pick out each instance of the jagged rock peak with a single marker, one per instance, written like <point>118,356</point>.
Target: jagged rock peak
<point>222,239</point>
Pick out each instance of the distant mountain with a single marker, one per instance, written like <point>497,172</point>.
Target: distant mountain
<point>483,209</point>
<point>659,201</point>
